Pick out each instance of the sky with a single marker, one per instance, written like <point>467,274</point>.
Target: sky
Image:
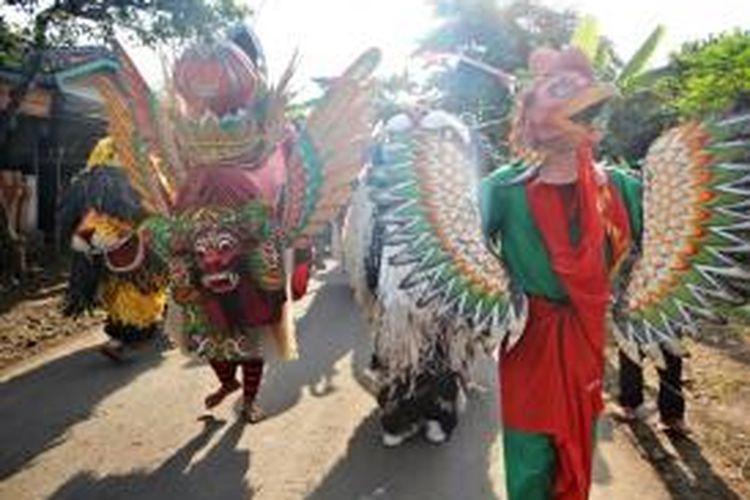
<point>628,22</point>
<point>331,33</point>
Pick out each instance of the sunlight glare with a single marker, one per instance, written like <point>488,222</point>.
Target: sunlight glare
<point>330,34</point>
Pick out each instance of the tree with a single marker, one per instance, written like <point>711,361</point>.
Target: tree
<point>641,112</point>
<point>634,121</point>
<point>28,28</point>
<point>41,25</point>
<point>703,79</point>
<point>501,36</point>
<point>711,76</point>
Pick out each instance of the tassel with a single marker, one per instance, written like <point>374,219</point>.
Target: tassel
<point>174,325</point>
<point>284,332</point>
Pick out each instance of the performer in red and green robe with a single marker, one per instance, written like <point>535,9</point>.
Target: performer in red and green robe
<point>562,230</point>
<point>555,227</point>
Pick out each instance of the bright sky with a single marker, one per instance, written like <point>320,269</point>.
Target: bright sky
<point>331,33</point>
<point>628,22</point>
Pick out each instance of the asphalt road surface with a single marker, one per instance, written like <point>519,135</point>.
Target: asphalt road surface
<point>75,426</point>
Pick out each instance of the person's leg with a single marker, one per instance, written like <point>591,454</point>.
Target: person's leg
<point>225,372</point>
<point>120,335</point>
<point>529,465</point>
<point>631,384</point>
<point>252,375</point>
<point>671,400</point>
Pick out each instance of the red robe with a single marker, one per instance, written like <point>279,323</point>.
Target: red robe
<point>552,380</point>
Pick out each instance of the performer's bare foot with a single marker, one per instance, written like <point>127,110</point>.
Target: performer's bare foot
<point>222,392</point>
<point>114,350</point>
<point>252,413</point>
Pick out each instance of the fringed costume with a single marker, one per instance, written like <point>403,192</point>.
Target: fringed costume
<point>112,267</point>
<point>419,364</point>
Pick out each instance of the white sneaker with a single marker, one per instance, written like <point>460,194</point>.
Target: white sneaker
<point>393,440</point>
<point>434,432</point>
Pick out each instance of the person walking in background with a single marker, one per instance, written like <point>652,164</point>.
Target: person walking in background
<point>670,399</point>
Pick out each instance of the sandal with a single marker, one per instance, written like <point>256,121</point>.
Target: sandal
<point>252,413</point>
<point>215,398</point>
<point>114,350</point>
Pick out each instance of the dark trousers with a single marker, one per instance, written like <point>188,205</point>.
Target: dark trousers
<point>670,401</point>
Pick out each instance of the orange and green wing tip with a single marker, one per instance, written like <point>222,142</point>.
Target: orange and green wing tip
<point>330,150</point>
<point>433,222</point>
<point>694,270</point>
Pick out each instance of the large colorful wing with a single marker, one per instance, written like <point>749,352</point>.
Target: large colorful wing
<point>133,117</point>
<point>427,193</point>
<point>695,255</point>
<point>331,150</point>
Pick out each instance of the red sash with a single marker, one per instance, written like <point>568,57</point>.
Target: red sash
<point>552,380</point>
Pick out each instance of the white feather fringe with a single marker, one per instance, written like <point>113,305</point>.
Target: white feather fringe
<point>407,338</point>
<point>357,237</point>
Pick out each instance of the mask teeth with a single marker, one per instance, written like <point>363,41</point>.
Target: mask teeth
<point>208,118</point>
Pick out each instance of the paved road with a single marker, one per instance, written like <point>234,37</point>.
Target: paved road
<point>73,426</point>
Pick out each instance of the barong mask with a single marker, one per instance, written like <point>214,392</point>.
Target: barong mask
<point>217,253</point>
<point>216,248</point>
<point>102,210</point>
<point>111,264</point>
<point>220,141</point>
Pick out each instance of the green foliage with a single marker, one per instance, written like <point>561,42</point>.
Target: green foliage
<point>607,63</point>
<point>641,113</point>
<point>12,43</point>
<point>391,92</point>
<point>39,25</point>
<point>586,37</point>
<point>634,121</point>
<point>502,36</point>
<point>711,76</point>
<point>638,62</point>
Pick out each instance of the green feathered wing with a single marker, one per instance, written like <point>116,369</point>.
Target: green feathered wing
<point>694,258</point>
<point>428,197</point>
<point>330,152</point>
<point>133,116</point>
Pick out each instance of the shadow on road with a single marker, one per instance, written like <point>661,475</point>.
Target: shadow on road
<point>686,476</point>
<point>37,408</point>
<point>601,473</point>
<point>220,474</point>
<point>368,470</point>
<point>326,334</point>
<point>698,482</point>
<point>458,469</point>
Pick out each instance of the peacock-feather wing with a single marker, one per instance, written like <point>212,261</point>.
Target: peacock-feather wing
<point>695,255</point>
